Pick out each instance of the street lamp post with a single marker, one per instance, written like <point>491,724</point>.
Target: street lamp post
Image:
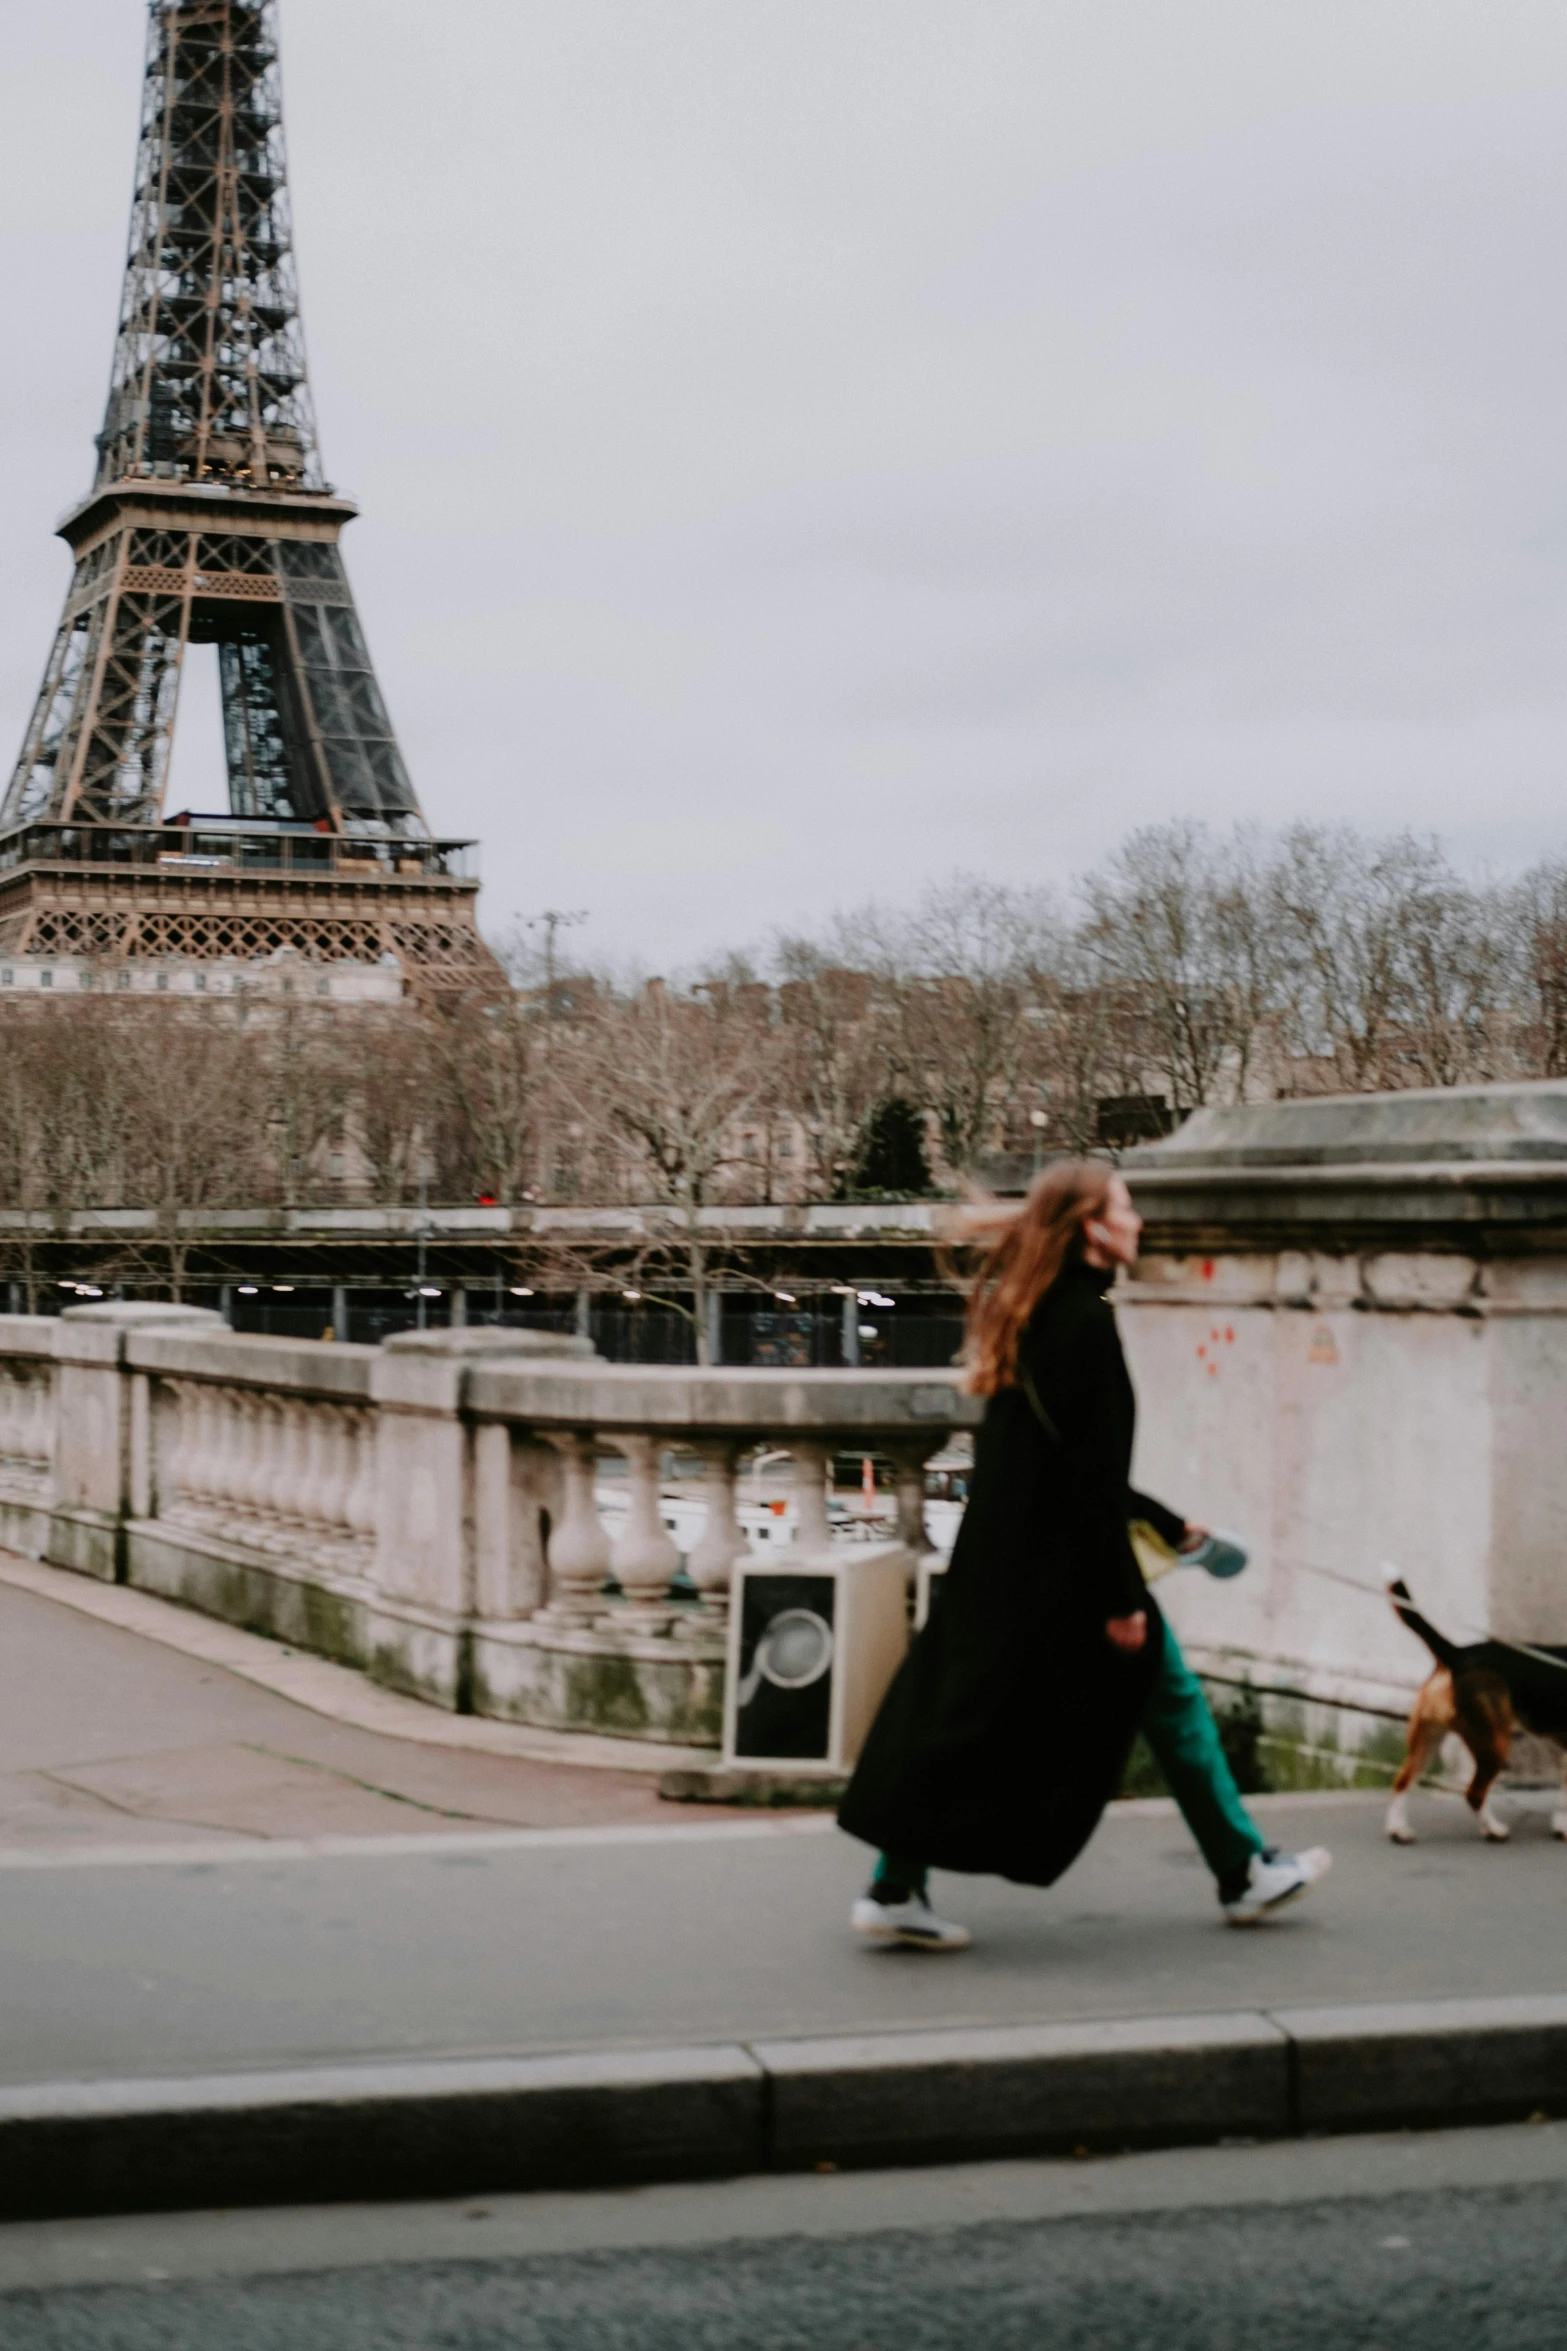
<point>549,922</point>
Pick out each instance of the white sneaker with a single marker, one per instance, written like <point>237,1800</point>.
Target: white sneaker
<point>1275,1879</point>
<point>911,1922</point>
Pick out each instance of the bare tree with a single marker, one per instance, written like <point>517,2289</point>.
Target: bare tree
<point>668,1080</point>
<point>191,1086</point>
<point>490,1050</point>
<point>1172,922</point>
<point>975,945</point>
<point>834,1035</point>
<point>395,1094</point>
<point>1533,922</point>
<point>1386,966</point>
<point>308,1068</point>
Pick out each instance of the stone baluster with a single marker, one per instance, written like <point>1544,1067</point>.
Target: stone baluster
<point>202,1429</point>
<point>206,1467</point>
<point>359,1503</point>
<point>710,1562</point>
<point>11,1427</point>
<point>312,1482</point>
<point>258,1425</point>
<point>171,1420</point>
<point>43,1422</point>
<point>578,1553</point>
<point>334,1471</point>
<point>645,1557</point>
<point>239,1427</point>
<point>339,1471</point>
<point>293,1462</point>
<point>812,1526</point>
<point>312,1468</point>
<point>279,1472</point>
<point>909,1456</point>
<point>252,1421</point>
<point>264,1489</point>
<point>230,1423</point>
<point>168,1420</point>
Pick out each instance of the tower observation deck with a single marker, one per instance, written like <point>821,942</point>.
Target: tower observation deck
<point>210,522</point>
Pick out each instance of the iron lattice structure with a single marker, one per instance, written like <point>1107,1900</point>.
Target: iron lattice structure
<point>209,522</point>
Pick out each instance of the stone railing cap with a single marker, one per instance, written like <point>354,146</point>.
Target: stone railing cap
<point>553,1344</point>
<point>133,1313</point>
<point>1440,1124</point>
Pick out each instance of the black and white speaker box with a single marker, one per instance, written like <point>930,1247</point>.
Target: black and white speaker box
<point>814,1641</point>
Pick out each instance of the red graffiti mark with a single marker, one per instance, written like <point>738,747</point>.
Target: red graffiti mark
<point>1207,1269</point>
<point>1229,1334</point>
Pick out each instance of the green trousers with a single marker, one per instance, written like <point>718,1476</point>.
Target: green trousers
<point>1185,1739</point>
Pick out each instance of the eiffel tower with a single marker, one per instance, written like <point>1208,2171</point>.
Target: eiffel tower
<point>210,522</point>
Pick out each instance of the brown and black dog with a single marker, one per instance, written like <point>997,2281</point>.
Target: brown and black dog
<point>1487,1692</point>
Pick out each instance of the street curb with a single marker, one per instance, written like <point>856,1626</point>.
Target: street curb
<point>613,2118</point>
<point>329,2134</point>
<point>954,2096</point>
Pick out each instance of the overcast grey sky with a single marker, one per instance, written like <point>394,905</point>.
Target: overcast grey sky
<point>805,445</point>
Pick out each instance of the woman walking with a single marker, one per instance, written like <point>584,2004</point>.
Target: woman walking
<point>1008,1726</point>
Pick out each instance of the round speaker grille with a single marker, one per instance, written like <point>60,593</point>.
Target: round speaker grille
<point>796,1649</point>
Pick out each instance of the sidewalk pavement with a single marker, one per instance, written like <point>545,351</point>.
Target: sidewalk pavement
<point>255,1952</point>
<point>115,1736</point>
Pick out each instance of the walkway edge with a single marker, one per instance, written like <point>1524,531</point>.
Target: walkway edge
<point>340,1692</point>
<point>343,1694</point>
<point>610,2118</point>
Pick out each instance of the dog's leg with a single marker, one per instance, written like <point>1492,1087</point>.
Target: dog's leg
<point>1485,1724</point>
<point>1430,1720</point>
<point>1496,1829</point>
<point>1488,1765</point>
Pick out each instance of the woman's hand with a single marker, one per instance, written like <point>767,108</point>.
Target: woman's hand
<point>1129,1632</point>
<point>1193,1536</point>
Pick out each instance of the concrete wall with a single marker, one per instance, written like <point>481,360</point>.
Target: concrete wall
<point>1361,1362</point>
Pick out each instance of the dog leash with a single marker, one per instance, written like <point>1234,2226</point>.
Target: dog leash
<point>1329,1575</point>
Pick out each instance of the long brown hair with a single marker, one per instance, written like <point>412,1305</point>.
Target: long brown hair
<point>1021,1251</point>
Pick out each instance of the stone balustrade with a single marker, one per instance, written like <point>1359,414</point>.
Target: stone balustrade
<point>26,1428</point>
<point>283,1473</point>
<point>431,1510</point>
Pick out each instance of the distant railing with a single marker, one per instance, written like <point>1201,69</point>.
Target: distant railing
<point>218,845</point>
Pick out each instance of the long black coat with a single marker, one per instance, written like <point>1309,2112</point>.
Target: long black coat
<point>1007,1728</point>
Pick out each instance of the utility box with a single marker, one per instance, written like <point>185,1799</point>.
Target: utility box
<point>813,1643</point>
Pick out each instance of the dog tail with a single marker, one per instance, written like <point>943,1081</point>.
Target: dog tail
<point>1442,1649</point>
